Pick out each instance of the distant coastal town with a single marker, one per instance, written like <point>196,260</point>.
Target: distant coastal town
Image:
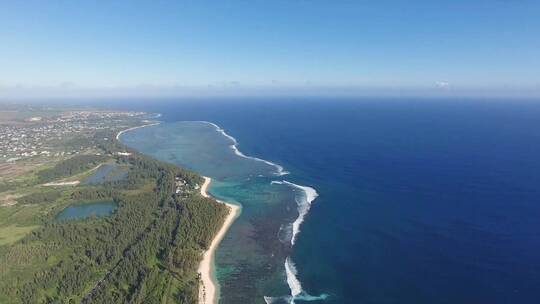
<point>39,136</point>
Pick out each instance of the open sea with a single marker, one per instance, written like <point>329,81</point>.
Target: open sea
<point>365,200</point>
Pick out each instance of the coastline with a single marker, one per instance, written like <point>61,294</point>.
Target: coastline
<point>209,289</point>
<point>133,128</point>
<point>208,292</point>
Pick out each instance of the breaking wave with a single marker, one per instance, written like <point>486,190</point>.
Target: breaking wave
<point>304,204</point>
<point>279,169</point>
<point>285,233</point>
<point>291,231</point>
<point>297,293</point>
<point>292,280</point>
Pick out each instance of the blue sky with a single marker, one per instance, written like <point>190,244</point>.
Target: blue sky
<point>267,46</point>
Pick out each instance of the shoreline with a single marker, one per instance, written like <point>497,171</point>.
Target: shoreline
<point>133,128</point>
<point>208,293</point>
<point>209,289</point>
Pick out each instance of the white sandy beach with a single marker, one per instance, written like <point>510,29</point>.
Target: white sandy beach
<point>208,292</point>
<point>123,131</point>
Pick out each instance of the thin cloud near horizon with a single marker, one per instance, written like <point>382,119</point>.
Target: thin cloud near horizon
<point>235,88</point>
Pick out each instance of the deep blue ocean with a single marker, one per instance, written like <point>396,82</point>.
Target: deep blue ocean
<point>420,201</point>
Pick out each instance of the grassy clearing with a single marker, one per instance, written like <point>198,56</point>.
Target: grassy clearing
<point>12,233</point>
<point>21,215</point>
<point>148,186</point>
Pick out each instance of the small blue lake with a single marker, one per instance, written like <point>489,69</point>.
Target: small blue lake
<point>87,209</point>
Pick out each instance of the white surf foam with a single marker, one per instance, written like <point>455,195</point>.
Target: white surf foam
<point>303,203</point>
<point>292,280</point>
<point>297,293</point>
<point>279,169</point>
<point>270,300</point>
<point>153,116</point>
<point>285,233</point>
<point>294,284</point>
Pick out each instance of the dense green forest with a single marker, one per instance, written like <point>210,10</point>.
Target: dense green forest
<point>147,251</point>
<point>70,166</point>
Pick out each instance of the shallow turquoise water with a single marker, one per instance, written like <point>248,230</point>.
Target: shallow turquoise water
<point>87,209</point>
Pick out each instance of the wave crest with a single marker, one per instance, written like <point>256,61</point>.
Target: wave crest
<point>304,204</point>
<point>279,169</point>
<point>297,293</point>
